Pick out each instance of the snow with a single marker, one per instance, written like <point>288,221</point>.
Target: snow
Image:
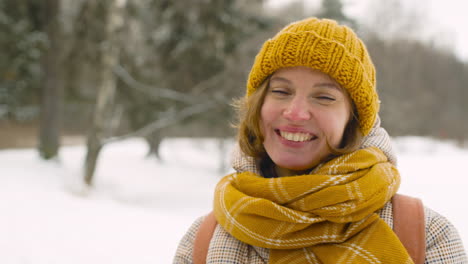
<point>140,207</point>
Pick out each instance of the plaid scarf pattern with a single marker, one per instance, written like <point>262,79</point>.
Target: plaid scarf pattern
<point>321,217</point>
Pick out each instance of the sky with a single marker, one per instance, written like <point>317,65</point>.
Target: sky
<point>447,18</point>
<point>141,207</point>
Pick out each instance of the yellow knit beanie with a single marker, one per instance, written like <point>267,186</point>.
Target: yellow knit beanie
<point>333,49</point>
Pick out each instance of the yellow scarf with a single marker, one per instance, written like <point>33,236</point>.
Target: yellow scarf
<point>327,216</point>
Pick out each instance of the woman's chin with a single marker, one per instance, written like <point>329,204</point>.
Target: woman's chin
<point>295,168</point>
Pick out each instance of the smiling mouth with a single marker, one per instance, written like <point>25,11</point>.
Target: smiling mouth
<point>296,137</point>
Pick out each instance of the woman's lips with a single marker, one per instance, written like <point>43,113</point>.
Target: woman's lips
<point>295,136</point>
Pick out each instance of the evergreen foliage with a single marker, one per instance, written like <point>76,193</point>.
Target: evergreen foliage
<point>333,9</point>
<point>22,41</point>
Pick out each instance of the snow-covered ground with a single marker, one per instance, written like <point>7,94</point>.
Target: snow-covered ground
<point>141,207</point>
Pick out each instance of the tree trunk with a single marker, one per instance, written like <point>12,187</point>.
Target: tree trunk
<point>52,90</point>
<point>154,141</point>
<point>109,58</point>
<point>94,147</point>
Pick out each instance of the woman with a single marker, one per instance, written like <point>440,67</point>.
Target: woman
<point>315,172</point>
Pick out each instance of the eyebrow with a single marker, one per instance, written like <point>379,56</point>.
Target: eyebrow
<point>328,85</point>
<point>276,78</point>
<point>317,85</point>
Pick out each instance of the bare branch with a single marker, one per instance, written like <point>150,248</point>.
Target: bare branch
<point>205,84</point>
<point>155,92</point>
<point>166,121</point>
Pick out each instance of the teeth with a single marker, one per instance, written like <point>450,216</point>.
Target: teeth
<point>298,137</point>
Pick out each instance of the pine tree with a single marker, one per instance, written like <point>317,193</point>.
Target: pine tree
<point>333,9</point>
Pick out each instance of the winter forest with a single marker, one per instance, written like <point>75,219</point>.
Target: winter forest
<point>116,116</point>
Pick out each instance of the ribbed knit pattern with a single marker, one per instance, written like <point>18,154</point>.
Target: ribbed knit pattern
<point>326,46</point>
<point>318,218</point>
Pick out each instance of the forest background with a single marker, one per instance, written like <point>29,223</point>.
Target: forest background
<point>97,72</point>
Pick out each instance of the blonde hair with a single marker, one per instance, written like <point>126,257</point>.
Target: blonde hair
<point>249,134</point>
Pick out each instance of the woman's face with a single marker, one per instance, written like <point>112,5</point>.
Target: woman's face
<point>303,108</point>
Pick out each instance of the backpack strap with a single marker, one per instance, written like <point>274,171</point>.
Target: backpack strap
<point>203,238</point>
<point>410,226</point>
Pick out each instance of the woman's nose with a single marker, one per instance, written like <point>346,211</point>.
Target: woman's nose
<point>297,110</point>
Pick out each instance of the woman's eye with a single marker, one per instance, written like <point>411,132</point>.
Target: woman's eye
<point>279,92</point>
<point>326,98</point>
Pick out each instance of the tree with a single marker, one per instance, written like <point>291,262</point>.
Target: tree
<point>22,42</point>
<point>420,83</point>
<point>187,43</point>
<point>30,35</point>
<point>52,88</point>
<point>170,62</point>
<point>421,88</point>
<point>109,13</point>
<point>333,9</point>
